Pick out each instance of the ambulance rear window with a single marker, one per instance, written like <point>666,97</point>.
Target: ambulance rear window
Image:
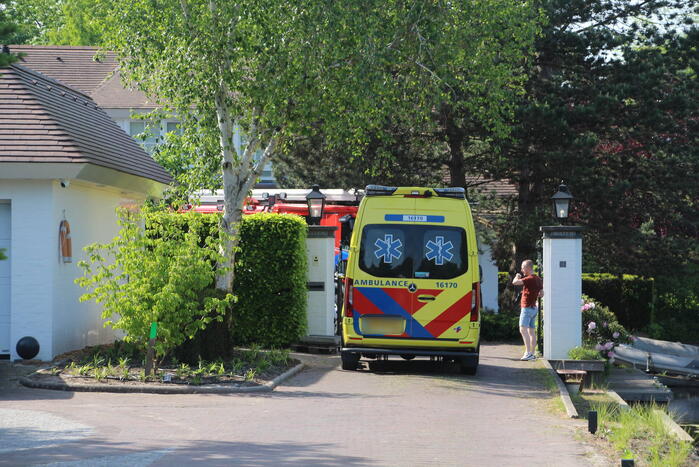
<point>413,251</point>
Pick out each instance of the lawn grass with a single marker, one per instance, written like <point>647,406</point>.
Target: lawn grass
<point>637,433</point>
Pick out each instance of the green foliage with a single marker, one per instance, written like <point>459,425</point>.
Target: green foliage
<point>2,254</point>
<point>641,434</point>
<point>271,280</point>
<point>677,317</point>
<point>584,353</point>
<point>611,108</point>
<point>57,22</point>
<point>156,271</point>
<point>503,326</point>
<point>631,298</point>
<point>600,328</point>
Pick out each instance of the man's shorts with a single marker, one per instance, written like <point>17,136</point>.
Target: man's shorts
<point>527,317</point>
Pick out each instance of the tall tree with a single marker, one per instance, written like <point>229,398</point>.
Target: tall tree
<point>7,30</point>
<point>611,109</point>
<point>57,22</point>
<point>271,68</point>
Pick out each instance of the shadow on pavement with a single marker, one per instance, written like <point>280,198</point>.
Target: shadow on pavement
<point>99,451</point>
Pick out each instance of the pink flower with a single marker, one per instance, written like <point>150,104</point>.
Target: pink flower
<point>632,338</point>
<point>591,326</point>
<point>610,354</point>
<point>609,345</point>
<point>604,324</point>
<point>615,335</point>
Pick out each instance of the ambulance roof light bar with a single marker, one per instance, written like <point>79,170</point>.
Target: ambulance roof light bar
<point>379,190</point>
<point>451,192</point>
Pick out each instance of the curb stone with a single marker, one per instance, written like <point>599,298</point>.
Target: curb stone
<point>162,388</point>
<point>563,390</point>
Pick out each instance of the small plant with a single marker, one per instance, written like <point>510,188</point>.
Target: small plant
<point>101,373</point>
<point>142,376</point>
<point>183,371</point>
<point>278,357</point>
<point>196,379</point>
<point>584,353</point>
<point>123,361</point>
<point>97,360</point>
<point>85,370</point>
<point>238,366</point>
<point>55,371</point>
<point>125,373</point>
<point>250,374</point>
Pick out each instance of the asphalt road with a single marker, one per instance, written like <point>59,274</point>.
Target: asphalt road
<point>395,413</point>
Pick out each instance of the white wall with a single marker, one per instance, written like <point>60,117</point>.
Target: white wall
<point>33,250</point>
<point>44,298</point>
<point>90,210</point>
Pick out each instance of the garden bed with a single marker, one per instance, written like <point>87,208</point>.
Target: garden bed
<point>104,367</point>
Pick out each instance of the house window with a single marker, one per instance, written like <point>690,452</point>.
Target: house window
<point>173,127</point>
<point>146,134</point>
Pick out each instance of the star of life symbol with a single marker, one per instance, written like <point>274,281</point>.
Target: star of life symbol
<point>387,248</point>
<point>439,251</point>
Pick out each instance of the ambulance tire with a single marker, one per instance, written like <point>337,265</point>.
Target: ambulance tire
<point>468,366</point>
<point>350,361</point>
<point>407,357</point>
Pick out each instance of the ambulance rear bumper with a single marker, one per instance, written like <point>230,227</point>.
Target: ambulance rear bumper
<point>408,351</point>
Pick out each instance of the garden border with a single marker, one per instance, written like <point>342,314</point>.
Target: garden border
<point>160,388</point>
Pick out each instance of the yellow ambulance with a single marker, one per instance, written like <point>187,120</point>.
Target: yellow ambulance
<point>412,286</point>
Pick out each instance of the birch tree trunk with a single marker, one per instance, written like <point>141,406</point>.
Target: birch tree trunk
<point>239,176</point>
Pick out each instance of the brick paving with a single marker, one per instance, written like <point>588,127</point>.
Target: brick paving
<point>396,413</point>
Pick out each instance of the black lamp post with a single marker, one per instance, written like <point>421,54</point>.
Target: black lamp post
<point>561,203</point>
<point>316,205</point>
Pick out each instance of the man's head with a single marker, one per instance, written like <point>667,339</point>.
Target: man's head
<point>527,267</point>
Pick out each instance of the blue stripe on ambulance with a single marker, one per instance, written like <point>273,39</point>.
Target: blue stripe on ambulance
<point>389,306</point>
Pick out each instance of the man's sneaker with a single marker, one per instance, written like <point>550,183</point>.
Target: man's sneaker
<point>531,357</point>
<point>527,356</point>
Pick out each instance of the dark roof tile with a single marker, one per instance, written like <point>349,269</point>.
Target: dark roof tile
<point>41,120</point>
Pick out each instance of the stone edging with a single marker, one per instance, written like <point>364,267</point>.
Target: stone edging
<point>162,388</point>
<point>563,390</point>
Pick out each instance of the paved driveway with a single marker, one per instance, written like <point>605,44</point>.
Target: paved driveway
<point>400,413</point>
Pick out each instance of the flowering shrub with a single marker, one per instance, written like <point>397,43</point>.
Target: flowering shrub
<point>601,330</point>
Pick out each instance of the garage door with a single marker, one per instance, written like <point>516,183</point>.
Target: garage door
<point>5,279</point>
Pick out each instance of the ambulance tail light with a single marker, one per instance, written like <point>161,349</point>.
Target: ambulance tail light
<point>349,299</point>
<point>475,301</point>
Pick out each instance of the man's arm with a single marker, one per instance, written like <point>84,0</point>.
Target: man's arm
<point>518,280</point>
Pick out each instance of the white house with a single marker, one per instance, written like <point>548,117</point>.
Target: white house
<point>61,158</point>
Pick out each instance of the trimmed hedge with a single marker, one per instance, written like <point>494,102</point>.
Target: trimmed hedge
<point>270,280</point>
<point>630,298</point>
<point>270,285</point>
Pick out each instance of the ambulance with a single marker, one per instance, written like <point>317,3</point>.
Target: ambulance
<point>412,283</point>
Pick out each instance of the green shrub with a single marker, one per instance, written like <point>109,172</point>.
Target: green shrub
<point>507,294</point>
<point>158,269</point>
<point>600,328</point>
<point>630,298</point>
<point>584,353</point>
<point>676,317</point>
<point>270,280</point>
<point>503,326</point>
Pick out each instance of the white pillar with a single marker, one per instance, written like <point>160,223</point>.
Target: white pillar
<point>320,247</point>
<point>562,290</point>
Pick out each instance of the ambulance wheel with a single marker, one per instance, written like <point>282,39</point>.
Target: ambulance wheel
<point>407,357</point>
<point>468,366</point>
<point>350,361</point>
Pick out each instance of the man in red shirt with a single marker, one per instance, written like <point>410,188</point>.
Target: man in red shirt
<point>532,289</point>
